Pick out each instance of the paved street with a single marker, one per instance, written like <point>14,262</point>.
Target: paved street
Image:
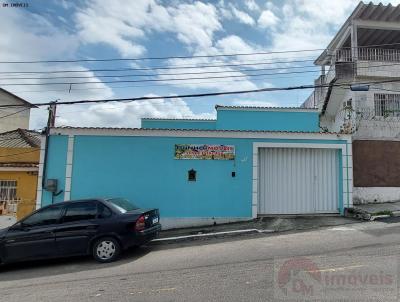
<point>231,269</point>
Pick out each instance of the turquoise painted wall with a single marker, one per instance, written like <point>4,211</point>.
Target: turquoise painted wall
<point>143,169</point>
<point>55,167</point>
<point>267,120</point>
<point>178,124</point>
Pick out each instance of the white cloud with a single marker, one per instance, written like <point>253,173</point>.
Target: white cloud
<point>267,19</point>
<point>220,78</point>
<point>216,78</point>
<point>306,24</point>
<point>125,27</point>
<point>46,42</point>
<point>254,103</point>
<point>242,16</point>
<point>233,44</point>
<point>251,5</point>
<point>31,37</point>
<point>129,114</point>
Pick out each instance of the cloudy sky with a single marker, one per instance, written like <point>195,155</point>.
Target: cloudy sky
<point>99,29</point>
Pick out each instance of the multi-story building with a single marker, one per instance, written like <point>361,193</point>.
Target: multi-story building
<point>358,92</point>
<point>15,116</point>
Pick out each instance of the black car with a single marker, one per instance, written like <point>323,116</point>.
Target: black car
<point>100,227</point>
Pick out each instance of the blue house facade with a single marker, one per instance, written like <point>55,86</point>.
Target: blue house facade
<point>248,162</point>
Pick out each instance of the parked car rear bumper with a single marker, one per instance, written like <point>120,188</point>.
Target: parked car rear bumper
<point>143,237</point>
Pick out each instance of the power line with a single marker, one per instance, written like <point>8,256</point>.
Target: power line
<point>7,115</point>
<point>158,85</point>
<point>20,153</point>
<point>155,75</point>
<point>269,89</point>
<point>189,57</point>
<point>176,79</point>
<point>162,58</point>
<point>150,80</point>
<point>184,73</point>
<point>159,67</point>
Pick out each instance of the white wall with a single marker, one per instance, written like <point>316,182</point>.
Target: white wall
<point>13,118</point>
<point>375,194</point>
<point>377,69</point>
<point>369,127</point>
<point>375,127</point>
<point>14,121</point>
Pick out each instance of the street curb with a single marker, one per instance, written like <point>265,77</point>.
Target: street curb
<point>214,235</point>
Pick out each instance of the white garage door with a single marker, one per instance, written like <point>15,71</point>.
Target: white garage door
<point>298,181</point>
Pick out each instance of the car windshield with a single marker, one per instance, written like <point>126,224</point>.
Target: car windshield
<point>122,204</point>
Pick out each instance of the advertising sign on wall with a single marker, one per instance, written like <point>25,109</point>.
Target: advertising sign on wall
<point>213,152</point>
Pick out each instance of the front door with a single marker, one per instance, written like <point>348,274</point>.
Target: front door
<point>77,227</point>
<point>34,237</point>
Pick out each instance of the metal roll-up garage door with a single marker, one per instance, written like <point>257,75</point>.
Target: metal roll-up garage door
<point>298,181</point>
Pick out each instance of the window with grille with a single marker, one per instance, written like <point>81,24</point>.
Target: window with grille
<point>8,190</point>
<point>387,105</point>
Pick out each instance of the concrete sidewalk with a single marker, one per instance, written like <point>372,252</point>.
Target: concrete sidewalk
<point>260,225</point>
<point>377,210</point>
<point>6,221</point>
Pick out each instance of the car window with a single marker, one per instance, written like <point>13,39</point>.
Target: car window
<point>103,211</point>
<point>46,216</point>
<point>122,205</point>
<point>80,211</point>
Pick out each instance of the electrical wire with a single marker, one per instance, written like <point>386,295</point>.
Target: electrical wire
<point>7,115</point>
<point>190,57</point>
<point>162,58</point>
<point>268,89</point>
<point>151,80</point>
<point>20,153</point>
<point>159,74</point>
<point>160,67</point>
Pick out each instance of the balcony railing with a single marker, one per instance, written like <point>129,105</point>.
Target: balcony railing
<point>368,54</point>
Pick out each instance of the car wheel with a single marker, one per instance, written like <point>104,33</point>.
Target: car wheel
<point>106,249</point>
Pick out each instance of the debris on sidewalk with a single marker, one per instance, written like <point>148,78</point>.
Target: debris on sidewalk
<point>259,225</point>
<point>373,211</point>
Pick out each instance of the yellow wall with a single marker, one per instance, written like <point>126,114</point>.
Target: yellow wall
<point>26,181</point>
<point>26,190</point>
<point>12,155</point>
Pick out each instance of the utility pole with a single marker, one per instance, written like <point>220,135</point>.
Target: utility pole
<point>52,115</point>
<point>51,121</point>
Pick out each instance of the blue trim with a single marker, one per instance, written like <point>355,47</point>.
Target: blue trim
<point>341,207</point>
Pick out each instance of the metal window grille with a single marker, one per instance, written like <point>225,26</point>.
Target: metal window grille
<point>8,190</point>
<point>387,105</point>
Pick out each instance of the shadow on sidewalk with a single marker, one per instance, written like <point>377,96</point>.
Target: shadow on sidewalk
<point>53,267</point>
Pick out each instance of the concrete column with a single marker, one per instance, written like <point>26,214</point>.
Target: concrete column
<point>39,191</point>
<point>68,168</point>
<point>354,42</point>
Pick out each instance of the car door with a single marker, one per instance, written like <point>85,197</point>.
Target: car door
<point>34,236</point>
<point>78,225</point>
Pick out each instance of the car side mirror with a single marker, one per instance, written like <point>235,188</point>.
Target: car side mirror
<point>17,227</point>
<point>20,226</point>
